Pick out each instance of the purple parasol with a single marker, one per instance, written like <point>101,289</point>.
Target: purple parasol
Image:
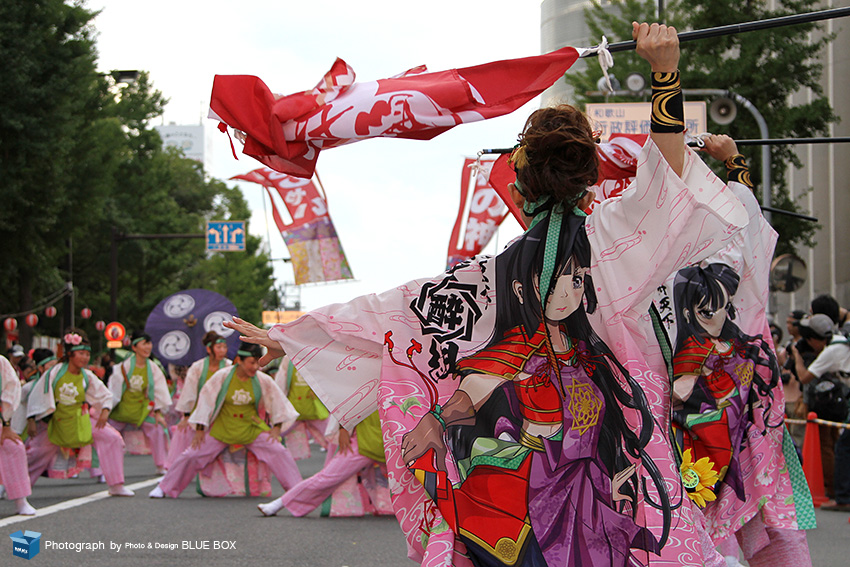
<point>178,323</point>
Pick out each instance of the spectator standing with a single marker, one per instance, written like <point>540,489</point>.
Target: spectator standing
<point>833,356</point>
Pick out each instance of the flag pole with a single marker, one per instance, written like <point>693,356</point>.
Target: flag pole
<point>744,27</point>
<point>790,141</point>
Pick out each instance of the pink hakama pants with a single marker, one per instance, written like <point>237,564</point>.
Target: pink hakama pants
<point>309,494</point>
<point>155,435</point>
<point>180,441</point>
<point>13,469</point>
<point>191,461</point>
<point>765,546</point>
<point>107,442</point>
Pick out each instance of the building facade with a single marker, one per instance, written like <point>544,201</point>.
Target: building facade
<point>825,170</point>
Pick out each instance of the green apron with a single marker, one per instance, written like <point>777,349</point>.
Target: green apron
<point>238,421</point>
<point>370,441</point>
<point>69,426</point>
<point>135,405</point>
<point>303,399</point>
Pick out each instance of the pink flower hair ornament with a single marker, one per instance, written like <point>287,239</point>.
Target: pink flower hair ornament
<point>73,339</point>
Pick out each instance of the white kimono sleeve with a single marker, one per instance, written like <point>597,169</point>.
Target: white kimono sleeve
<point>98,395</point>
<point>632,255</point>
<point>161,395</point>
<point>205,408</point>
<point>189,393</point>
<point>11,393</point>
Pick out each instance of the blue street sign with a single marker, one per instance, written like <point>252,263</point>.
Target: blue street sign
<point>226,236</point>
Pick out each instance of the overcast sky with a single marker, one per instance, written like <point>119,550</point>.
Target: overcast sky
<point>393,201</point>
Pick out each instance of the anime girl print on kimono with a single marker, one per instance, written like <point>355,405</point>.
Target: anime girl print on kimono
<point>727,420</point>
<point>716,367</point>
<point>483,395</point>
<point>537,428</point>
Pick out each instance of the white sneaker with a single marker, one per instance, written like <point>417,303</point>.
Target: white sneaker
<point>270,508</point>
<point>120,490</point>
<point>161,470</point>
<point>156,493</point>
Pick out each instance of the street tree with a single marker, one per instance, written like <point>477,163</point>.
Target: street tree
<point>80,160</point>
<point>765,67</point>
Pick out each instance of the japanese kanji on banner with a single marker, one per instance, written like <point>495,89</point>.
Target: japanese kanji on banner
<point>287,133</point>
<point>311,238</point>
<point>481,211</point>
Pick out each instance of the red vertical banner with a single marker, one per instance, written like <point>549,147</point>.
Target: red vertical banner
<point>480,214</point>
<point>310,236</point>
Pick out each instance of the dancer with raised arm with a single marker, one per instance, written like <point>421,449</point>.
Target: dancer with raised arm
<point>516,400</point>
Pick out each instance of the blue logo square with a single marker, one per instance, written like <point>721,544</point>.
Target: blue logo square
<point>25,544</point>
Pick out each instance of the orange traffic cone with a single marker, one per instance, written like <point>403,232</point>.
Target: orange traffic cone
<point>812,465</point>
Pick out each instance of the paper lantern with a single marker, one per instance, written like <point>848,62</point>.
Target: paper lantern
<point>31,319</point>
<point>85,313</point>
<point>10,324</point>
<point>50,312</point>
<point>100,325</point>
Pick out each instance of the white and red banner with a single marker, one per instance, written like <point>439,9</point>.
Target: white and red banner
<point>310,236</point>
<point>481,211</point>
<point>287,133</point>
<point>617,167</point>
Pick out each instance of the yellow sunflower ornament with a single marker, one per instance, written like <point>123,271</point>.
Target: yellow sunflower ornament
<point>698,478</point>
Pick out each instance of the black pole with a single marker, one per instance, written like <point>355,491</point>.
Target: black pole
<point>68,303</point>
<point>789,213</point>
<point>790,141</point>
<point>113,276</point>
<point>745,27</point>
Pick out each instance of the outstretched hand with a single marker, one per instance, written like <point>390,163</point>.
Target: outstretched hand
<point>658,44</point>
<point>250,333</point>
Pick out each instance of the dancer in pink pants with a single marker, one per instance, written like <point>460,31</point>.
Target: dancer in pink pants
<point>313,414</point>
<point>197,375</point>
<point>71,396</point>
<point>232,405</point>
<point>356,452</point>
<point>140,397</point>
<point>13,456</point>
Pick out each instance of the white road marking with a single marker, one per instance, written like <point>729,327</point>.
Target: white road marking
<point>68,504</point>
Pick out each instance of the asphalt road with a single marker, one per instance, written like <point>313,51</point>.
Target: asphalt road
<point>172,532</point>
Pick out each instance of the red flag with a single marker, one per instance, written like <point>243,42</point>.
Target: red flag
<point>311,238</point>
<point>287,133</point>
<point>481,211</point>
<point>617,166</point>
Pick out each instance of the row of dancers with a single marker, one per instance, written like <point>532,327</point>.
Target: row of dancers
<point>65,410</point>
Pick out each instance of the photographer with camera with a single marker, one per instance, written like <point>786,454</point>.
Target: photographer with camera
<point>826,380</point>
